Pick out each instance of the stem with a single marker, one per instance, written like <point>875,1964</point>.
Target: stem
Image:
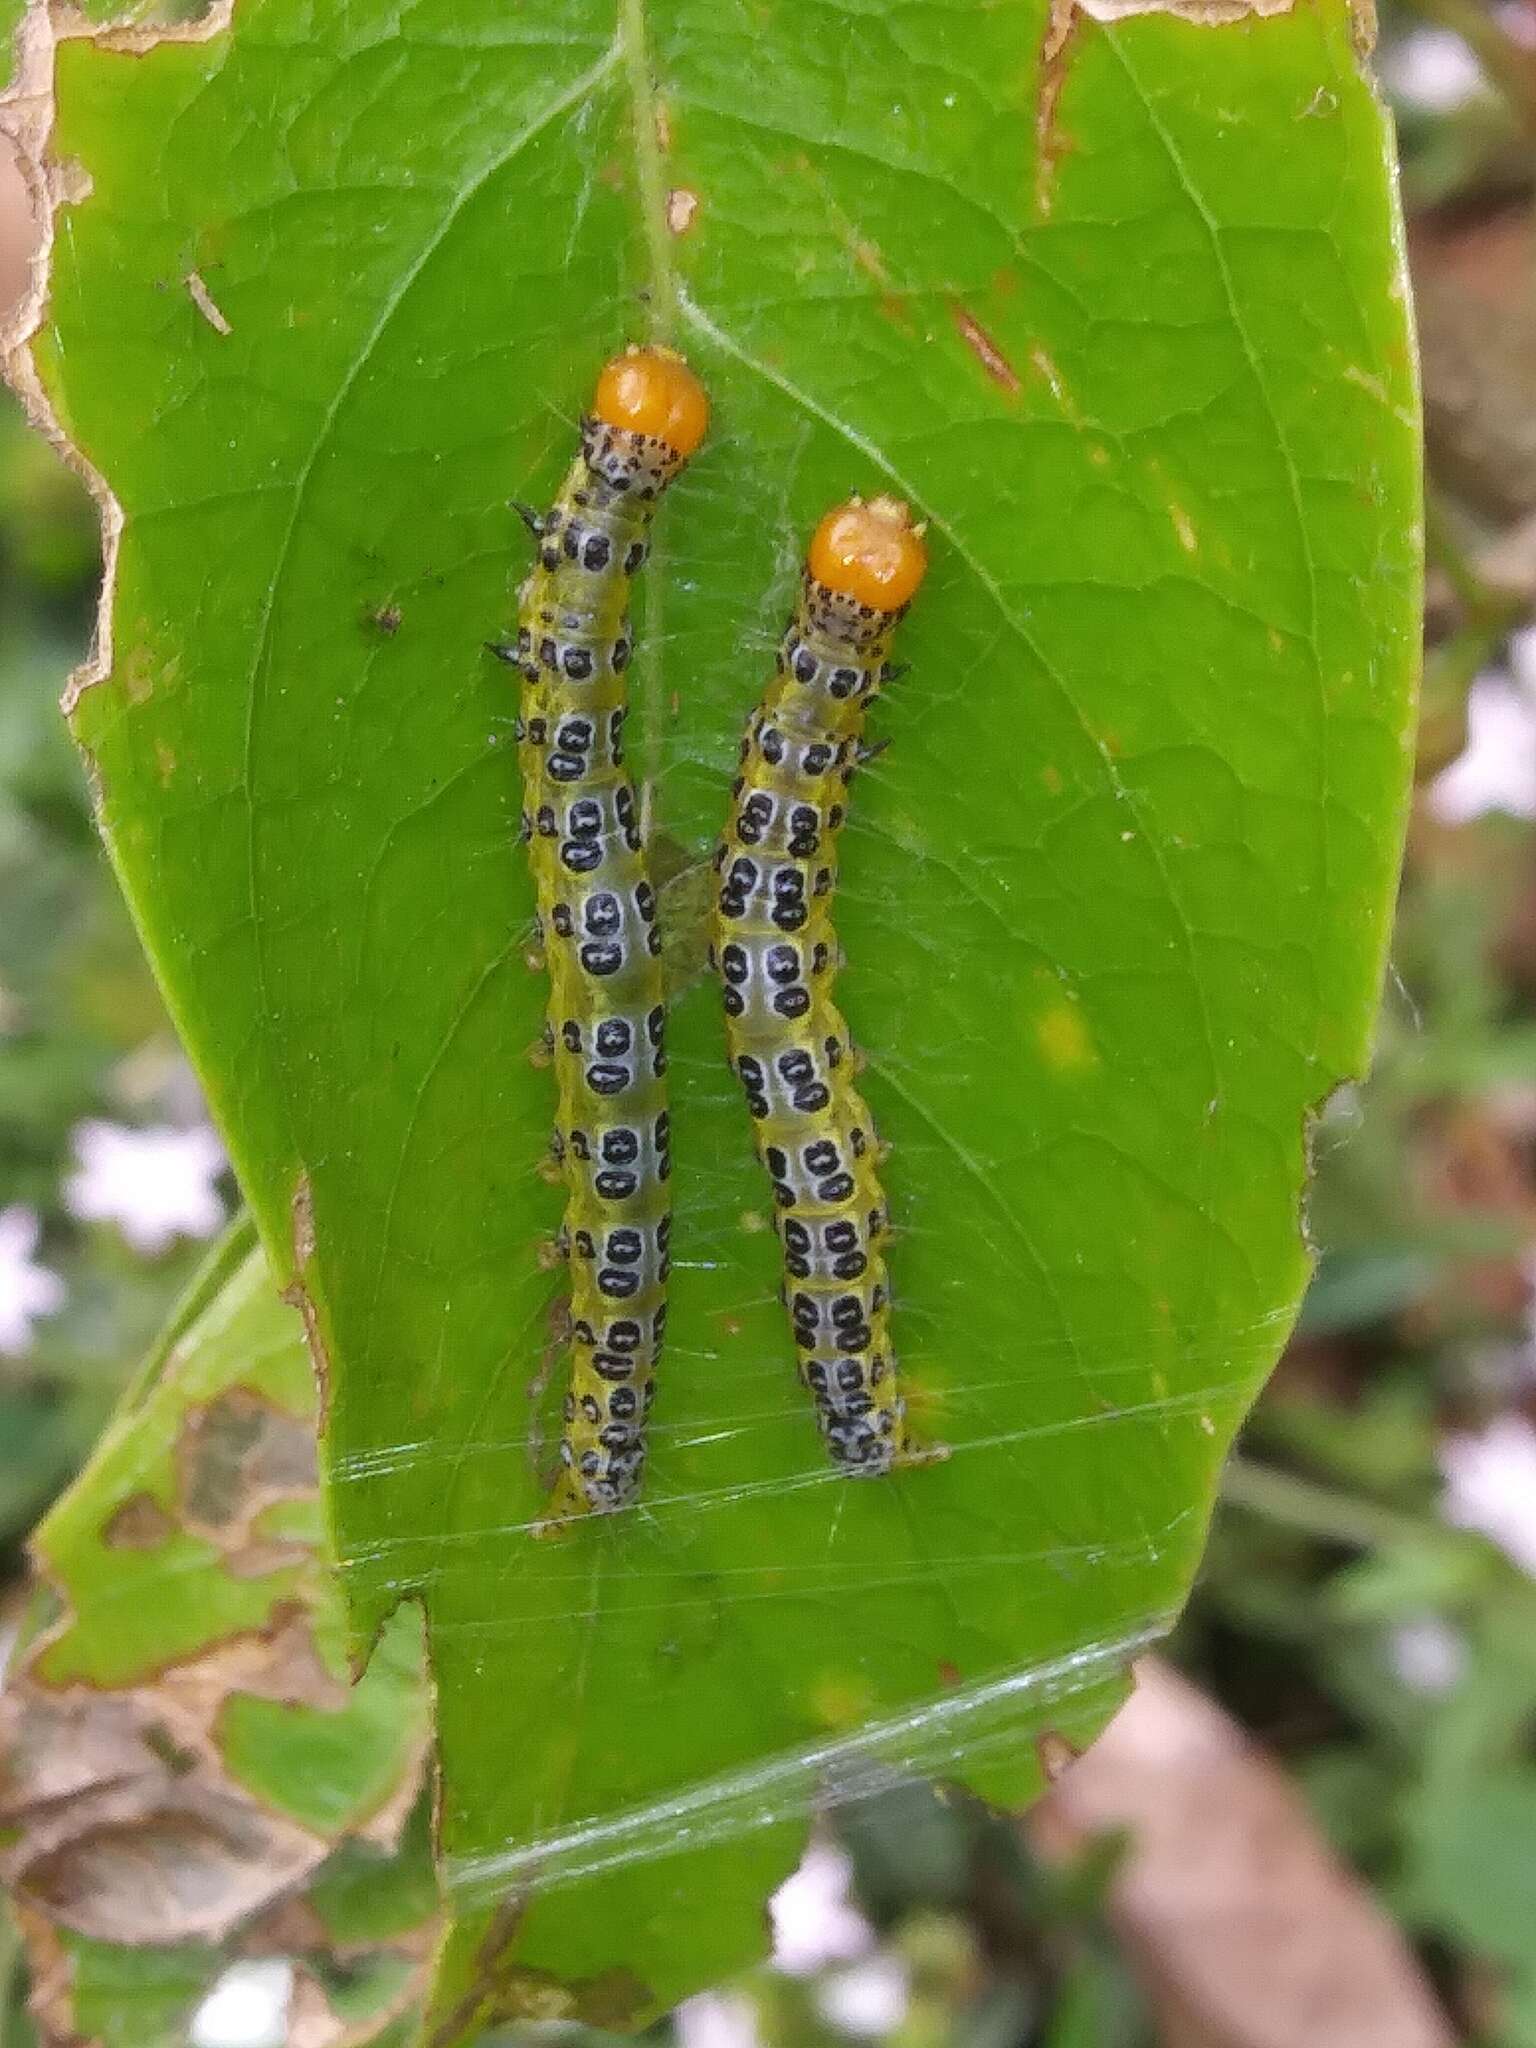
<point>11,1961</point>
<point>1320,1511</point>
<point>1489,615</point>
<point>1449,673</point>
<point>650,173</point>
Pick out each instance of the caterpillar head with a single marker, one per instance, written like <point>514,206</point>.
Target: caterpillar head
<point>865,563</point>
<point>648,415</point>
<point>871,552</point>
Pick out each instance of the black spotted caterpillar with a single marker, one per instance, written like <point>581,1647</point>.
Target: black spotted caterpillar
<point>596,911</point>
<point>774,947</point>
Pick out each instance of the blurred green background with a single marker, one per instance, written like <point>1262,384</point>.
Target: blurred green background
<point>1368,1607</point>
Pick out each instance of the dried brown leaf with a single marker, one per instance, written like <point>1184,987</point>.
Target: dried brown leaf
<point>1246,1928</point>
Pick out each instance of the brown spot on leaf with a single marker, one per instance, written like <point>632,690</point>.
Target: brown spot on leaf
<point>237,1456</point>
<point>302,1211</point>
<point>682,209</point>
<point>202,298</point>
<point>139,1524</point>
<point>985,350</point>
<point>894,307</point>
<point>141,671</point>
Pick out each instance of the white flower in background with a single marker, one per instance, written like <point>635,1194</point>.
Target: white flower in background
<point>1496,771</point>
<point>27,1290</point>
<point>716,2019</point>
<point>1490,1485</point>
<point>247,2007</point>
<point>155,1185</point>
<point>869,1999</point>
<point>1433,71</point>
<point>1428,1655</point>
<point>814,1921</point>
<point>155,1080</point>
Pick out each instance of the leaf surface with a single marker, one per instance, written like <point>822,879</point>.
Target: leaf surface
<point>1126,323</point>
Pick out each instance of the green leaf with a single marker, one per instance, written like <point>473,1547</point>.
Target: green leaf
<point>183,1755</point>
<point>1128,328</point>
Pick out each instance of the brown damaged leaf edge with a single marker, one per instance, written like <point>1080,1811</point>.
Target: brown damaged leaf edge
<point>26,118</point>
<point>139,1524</point>
<point>237,1457</point>
<point>117,1816</point>
<point>1060,35</point>
<point>297,1295</point>
<point>1056,1752</point>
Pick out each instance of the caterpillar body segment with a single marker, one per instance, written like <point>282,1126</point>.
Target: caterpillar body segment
<point>775,950</point>
<point>596,913</point>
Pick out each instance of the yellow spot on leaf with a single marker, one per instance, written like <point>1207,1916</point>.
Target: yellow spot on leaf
<point>1064,1038</point>
<point>840,1701</point>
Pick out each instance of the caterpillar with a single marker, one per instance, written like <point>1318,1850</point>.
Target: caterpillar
<point>775,951</point>
<point>596,912</point>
